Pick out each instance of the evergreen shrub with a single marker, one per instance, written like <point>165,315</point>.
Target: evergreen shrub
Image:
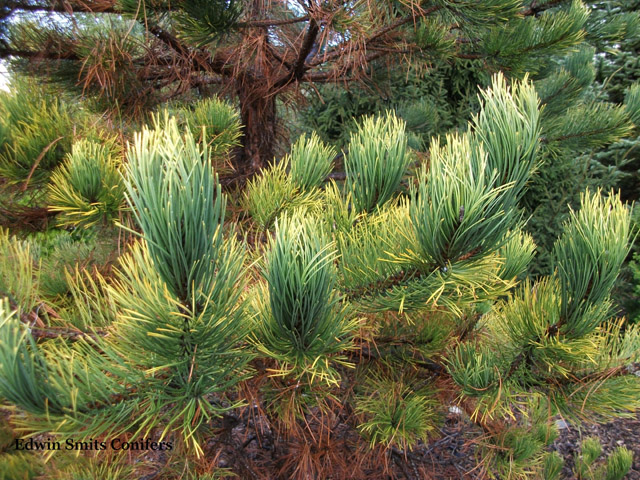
<point>364,308</point>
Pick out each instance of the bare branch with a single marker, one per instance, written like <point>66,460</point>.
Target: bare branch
<point>66,333</point>
<point>469,56</point>
<point>334,76</point>
<point>272,51</point>
<point>338,50</point>
<point>200,59</point>
<point>37,162</point>
<point>307,44</point>
<point>299,66</point>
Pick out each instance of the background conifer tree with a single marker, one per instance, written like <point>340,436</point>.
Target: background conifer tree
<point>137,54</point>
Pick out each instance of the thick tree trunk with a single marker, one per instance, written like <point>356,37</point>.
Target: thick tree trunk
<point>258,113</point>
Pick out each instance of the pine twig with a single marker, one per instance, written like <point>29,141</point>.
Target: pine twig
<point>37,162</point>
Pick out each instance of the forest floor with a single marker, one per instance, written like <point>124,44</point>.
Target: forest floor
<point>448,460</point>
<point>451,455</point>
<point>623,432</point>
<point>253,450</point>
<point>454,454</point>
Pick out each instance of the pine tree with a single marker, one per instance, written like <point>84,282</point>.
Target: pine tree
<point>176,316</point>
<point>618,73</point>
<point>395,303</point>
<point>141,53</point>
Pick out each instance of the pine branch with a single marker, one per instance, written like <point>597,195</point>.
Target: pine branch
<point>299,67</point>
<point>37,162</point>
<point>534,9</point>
<point>30,318</point>
<point>66,333</point>
<point>39,330</point>
<point>381,286</point>
<point>170,40</point>
<point>366,351</point>
<point>469,56</point>
<point>490,426</point>
<point>333,75</point>
<point>64,7</point>
<point>272,51</point>
<point>515,364</point>
<point>562,138</point>
<point>6,52</point>
<point>339,50</point>
<point>200,59</point>
<point>272,23</point>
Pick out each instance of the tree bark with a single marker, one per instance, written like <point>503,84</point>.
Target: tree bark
<point>258,114</point>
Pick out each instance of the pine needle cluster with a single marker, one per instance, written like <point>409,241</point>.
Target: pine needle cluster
<point>87,188</point>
